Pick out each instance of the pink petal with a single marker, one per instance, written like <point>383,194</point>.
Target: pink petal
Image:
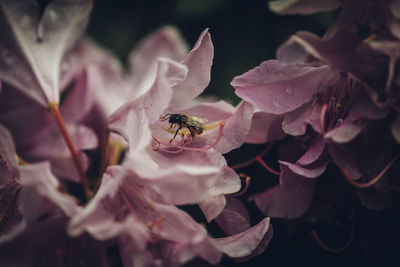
<point>213,206</point>
<point>198,61</point>
<point>265,128</point>
<point>8,159</point>
<point>79,102</point>
<point>165,42</point>
<point>289,201</point>
<point>132,119</point>
<point>234,218</point>
<point>313,153</point>
<point>277,88</point>
<point>295,123</point>
<point>38,177</point>
<point>309,172</point>
<point>345,132</point>
<point>176,181</point>
<point>247,243</point>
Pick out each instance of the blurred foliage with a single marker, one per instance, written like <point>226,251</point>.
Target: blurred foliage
<point>244,33</point>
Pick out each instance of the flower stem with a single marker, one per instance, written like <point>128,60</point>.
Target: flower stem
<point>63,130</point>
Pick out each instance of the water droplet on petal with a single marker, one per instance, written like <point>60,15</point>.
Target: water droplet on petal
<point>289,90</point>
<point>276,104</point>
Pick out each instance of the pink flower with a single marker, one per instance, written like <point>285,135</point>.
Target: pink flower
<point>172,92</point>
<point>31,191</point>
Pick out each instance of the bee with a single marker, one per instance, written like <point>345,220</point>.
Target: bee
<point>193,124</point>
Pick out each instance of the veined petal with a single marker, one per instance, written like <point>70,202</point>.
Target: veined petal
<point>32,50</point>
<point>165,42</point>
<point>248,242</point>
<point>278,88</point>
<point>198,61</point>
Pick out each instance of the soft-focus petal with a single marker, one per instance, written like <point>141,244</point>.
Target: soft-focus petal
<point>36,48</point>
<point>212,206</point>
<point>234,218</point>
<point>290,201</point>
<point>39,177</point>
<point>246,243</point>
<point>8,159</point>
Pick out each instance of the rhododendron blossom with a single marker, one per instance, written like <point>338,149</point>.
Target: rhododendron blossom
<point>107,162</point>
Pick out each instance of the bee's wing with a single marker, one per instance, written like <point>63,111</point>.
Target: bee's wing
<point>199,119</point>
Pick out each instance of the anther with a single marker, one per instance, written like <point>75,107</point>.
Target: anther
<point>246,185</point>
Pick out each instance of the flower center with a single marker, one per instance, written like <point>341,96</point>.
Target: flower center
<point>187,128</point>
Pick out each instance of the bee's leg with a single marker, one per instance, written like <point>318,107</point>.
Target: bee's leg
<point>172,126</point>
<point>176,133</point>
<point>192,132</point>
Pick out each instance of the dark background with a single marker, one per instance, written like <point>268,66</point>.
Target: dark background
<point>244,33</point>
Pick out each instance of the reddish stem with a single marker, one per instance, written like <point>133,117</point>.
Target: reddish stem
<point>61,125</point>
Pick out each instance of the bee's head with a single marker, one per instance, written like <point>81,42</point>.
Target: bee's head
<point>175,118</point>
<point>171,117</point>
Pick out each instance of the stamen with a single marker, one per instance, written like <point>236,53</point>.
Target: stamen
<point>104,150</point>
<point>183,147</point>
<point>262,162</point>
<point>246,186</point>
<point>323,116</point>
<point>131,210</point>
<point>21,161</point>
<point>315,235</point>
<point>370,38</point>
<point>115,153</point>
<point>59,255</point>
<point>329,249</point>
<point>253,160</point>
<point>374,180</point>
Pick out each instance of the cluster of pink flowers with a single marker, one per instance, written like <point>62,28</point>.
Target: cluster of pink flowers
<point>93,156</point>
